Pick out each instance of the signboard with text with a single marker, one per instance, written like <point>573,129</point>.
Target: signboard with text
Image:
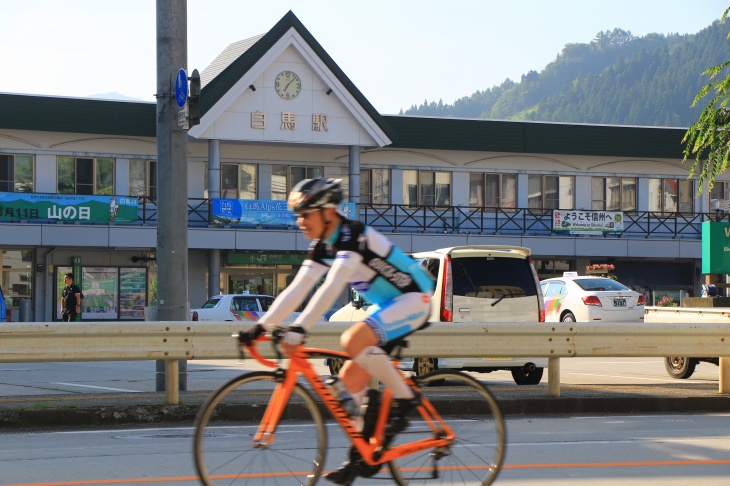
<point>256,211</point>
<point>68,207</point>
<point>572,221</point>
<point>715,247</point>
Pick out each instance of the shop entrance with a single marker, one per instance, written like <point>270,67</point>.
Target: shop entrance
<point>267,281</point>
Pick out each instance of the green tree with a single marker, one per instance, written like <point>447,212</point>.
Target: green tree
<point>708,140</point>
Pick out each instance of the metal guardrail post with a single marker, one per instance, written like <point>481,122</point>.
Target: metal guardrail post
<point>172,395</point>
<point>724,375</point>
<point>554,377</point>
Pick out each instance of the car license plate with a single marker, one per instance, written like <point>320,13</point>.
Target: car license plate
<point>619,302</point>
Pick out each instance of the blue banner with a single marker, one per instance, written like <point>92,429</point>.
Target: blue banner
<point>257,211</point>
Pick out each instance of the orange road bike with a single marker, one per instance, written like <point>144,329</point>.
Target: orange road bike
<point>266,427</point>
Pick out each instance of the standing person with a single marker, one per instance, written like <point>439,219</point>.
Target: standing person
<point>71,299</point>
<point>3,309</point>
<point>400,290</point>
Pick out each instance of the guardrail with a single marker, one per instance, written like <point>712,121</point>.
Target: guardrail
<point>173,341</point>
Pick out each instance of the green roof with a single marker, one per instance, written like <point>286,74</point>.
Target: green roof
<point>535,137</point>
<point>77,115</point>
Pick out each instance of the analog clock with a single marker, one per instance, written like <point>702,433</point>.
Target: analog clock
<point>288,85</point>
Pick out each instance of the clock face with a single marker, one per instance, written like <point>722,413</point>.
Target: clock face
<point>288,85</point>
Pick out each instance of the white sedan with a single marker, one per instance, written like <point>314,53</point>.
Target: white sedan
<point>572,298</point>
<point>234,307</point>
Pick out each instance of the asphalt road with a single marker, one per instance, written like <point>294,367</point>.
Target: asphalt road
<point>590,450</point>
<point>34,395</point>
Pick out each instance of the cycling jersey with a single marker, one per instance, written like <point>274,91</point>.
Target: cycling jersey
<point>359,255</point>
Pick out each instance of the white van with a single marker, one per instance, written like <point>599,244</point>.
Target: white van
<point>480,283</point>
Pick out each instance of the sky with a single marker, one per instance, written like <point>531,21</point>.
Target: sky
<point>397,52</point>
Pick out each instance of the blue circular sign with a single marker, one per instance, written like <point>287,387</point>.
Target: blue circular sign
<point>181,88</point>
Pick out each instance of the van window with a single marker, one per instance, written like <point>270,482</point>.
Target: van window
<point>431,264</point>
<point>490,277</point>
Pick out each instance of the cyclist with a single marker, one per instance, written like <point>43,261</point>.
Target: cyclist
<point>400,290</point>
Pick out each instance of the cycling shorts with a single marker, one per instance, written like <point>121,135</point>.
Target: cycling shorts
<point>398,317</point>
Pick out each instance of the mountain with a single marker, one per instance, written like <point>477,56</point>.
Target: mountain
<point>616,79</point>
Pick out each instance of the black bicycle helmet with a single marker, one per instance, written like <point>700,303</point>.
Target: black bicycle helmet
<point>315,194</point>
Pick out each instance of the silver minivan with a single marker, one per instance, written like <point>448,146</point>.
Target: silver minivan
<point>478,283</point>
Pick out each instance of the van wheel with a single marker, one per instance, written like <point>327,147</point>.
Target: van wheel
<point>525,377</point>
<point>423,366</point>
<point>680,367</point>
<point>335,365</point>
<point>568,317</point>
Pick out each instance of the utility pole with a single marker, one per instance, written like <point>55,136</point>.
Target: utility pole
<point>172,172</point>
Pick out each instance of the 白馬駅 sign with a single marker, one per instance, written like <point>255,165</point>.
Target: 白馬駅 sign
<point>15,206</point>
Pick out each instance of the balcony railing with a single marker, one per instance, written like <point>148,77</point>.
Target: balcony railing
<point>465,220</point>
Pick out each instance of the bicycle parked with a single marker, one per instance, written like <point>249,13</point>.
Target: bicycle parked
<point>257,428</point>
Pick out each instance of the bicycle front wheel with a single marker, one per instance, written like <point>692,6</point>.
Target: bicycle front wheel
<point>225,452</point>
<point>471,412</point>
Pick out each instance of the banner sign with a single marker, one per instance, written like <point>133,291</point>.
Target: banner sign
<point>68,207</point>
<point>588,221</point>
<point>715,247</point>
<point>256,211</point>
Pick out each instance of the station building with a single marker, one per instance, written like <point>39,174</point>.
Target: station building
<point>78,184</point>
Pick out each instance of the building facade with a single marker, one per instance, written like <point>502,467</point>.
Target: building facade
<point>277,109</point>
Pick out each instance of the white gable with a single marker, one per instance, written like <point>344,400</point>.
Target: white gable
<point>313,117</point>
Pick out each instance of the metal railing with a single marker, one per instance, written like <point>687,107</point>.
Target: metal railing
<point>675,332</point>
<point>461,220</point>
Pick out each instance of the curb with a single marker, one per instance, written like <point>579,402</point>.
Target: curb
<point>169,414</point>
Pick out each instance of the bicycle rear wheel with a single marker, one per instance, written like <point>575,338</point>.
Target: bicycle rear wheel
<point>225,426</point>
<point>471,411</point>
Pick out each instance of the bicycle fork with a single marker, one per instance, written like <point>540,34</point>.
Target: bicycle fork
<point>266,432</point>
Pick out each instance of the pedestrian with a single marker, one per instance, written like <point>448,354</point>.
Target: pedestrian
<point>71,299</point>
<point>399,289</point>
<point>3,309</point>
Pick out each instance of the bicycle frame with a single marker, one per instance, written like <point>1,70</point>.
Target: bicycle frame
<point>371,450</point>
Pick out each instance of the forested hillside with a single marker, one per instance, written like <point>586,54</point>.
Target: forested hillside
<point>616,79</point>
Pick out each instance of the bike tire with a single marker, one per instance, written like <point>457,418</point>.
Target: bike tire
<point>477,454</point>
<point>225,425</point>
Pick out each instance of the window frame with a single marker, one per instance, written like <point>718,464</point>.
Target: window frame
<point>681,196</point>
<point>83,179</point>
<point>238,191</point>
<point>11,184</point>
<point>544,201</point>
<point>600,202</point>
<point>483,187</point>
<point>150,179</point>
<point>382,191</point>
<point>421,185</point>
<point>310,172</point>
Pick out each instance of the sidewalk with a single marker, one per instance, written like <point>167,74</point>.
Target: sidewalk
<point>42,411</point>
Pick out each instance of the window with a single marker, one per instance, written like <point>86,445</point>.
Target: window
<point>613,194</point>
<point>16,173</point>
<point>143,178</point>
<point>493,190</point>
<point>721,190</point>
<point>283,178</point>
<point>550,192</point>
<point>16,276</point>
<point>85,175</point>
<point>426,188</point>
<point>671,195</point>
<point>238,181</point>
<point>375,186</point>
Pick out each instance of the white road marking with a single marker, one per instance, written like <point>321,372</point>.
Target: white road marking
<point>96,387</point>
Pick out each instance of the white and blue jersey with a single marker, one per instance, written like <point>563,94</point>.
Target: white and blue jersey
<point>358,255</point>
